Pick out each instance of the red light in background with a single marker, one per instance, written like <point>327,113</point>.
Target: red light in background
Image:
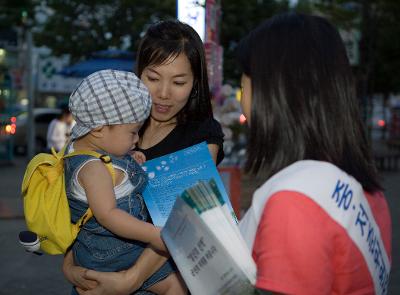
<point>11,128</point>
<point>8,128</point>
<point>13,119</point>
<point>242,119</point>
<point>381,123</point>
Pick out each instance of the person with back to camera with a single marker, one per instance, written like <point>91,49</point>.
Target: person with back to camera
<point>110,107</point>
<point>171,63</point>
<point>320,223</point>
<point>58,131</point>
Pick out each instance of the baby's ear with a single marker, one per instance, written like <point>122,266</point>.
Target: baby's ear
<point>97,132</point>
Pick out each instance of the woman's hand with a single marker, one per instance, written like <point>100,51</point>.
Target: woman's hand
<point>125,282</point>
<point>76,274</point>
<point>111,283</point>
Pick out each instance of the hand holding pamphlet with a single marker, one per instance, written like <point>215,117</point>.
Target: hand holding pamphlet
<point>206,244</point>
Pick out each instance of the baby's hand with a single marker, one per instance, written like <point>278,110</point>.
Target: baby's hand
<point>138,157</point>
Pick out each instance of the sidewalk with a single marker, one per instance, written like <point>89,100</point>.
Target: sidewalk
<point>11,205</point>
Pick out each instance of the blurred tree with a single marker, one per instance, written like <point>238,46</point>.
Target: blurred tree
<point>378,70</point>
<point>14,13</point>
<point>347,15</point>
<point>386,68</point>
<point>82,27</point>
<point>304,6</point>
<point>238,18</point>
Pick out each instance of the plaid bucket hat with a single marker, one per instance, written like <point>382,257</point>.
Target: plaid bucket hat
<point>108,97</point>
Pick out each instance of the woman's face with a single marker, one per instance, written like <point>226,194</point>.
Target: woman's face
<point>246,96</point>
<point>170,85</point>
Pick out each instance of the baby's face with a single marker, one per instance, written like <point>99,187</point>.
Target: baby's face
<point>120,139</point>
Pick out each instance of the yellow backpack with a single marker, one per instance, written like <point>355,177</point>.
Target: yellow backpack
<point>46,208</point>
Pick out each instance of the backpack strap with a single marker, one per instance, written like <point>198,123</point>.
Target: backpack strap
<point>106,159</point>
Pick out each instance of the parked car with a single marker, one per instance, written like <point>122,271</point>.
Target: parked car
<point>42,118</point>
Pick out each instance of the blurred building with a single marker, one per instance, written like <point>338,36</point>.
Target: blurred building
<point>51,88</point>
<point>10,85</point>
<point>11,77</point>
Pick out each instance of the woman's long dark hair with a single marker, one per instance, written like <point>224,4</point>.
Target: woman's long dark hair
<point>168,39</point>
<point>304,104</point>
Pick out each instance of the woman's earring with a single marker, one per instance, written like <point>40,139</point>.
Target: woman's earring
<point>194,92</point>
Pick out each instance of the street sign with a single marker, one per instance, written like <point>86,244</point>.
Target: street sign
<point>48,79</point>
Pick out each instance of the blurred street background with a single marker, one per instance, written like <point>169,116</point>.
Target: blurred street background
<point>47,47</point>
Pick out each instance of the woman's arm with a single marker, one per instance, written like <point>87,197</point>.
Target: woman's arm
<point>75,274</point>
<point>210,130</point>
<point>99,190</point>
<point>90,282</point>
<point>125,282</point>
<point>213,148</point>
<point>293,246</point>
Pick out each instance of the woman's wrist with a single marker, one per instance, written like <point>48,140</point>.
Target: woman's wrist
<point>67,265</point>
<point>148,263</point>
<point>133,279</point>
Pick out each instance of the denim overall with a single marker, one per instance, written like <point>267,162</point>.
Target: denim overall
<point>96,247</point>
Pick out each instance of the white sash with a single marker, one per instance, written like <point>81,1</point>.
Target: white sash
<point>341,197</point>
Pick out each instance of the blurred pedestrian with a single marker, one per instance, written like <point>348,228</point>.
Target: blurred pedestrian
<point>59,130</point>
<point>320,223</point>
<point>171,63</point>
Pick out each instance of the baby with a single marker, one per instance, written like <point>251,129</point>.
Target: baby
<point>109,108</point>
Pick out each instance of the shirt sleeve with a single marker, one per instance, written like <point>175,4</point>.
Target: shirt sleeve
<point>49,134</point>
<point>211,131</point>
<point>292,248</point>
<point>57,135</point>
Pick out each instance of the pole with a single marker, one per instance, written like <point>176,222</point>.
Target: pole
<point>31,98</point>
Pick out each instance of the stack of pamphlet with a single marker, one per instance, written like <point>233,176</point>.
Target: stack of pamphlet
<point>202,236</point>
<point>186,196</point>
